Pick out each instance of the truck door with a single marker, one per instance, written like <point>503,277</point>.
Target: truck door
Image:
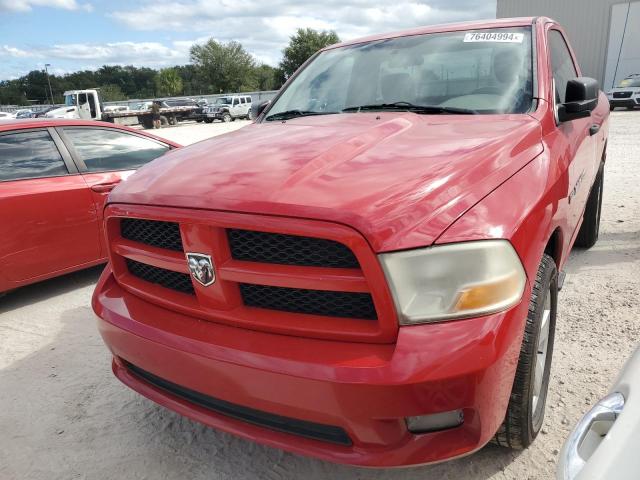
<point>84,109</point>
<point>236,107</point>
<point>573,138</point>
<point>93,105</point>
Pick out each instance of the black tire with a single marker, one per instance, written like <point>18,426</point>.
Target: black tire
<point>164,121</point>
<point>611,108</point>
<point>208,120</point>
<point>522,421</point>
<point>226,118</point>
<point>590,228</point>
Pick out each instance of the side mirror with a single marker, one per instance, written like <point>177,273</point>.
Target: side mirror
<point>581,99</point>
<point>258,108</point>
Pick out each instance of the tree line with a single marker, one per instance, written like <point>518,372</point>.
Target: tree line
<point>215,67</point>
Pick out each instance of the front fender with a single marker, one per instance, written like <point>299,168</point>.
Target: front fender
<point>526,210</point>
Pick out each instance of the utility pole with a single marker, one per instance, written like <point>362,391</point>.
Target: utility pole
<point>49,81</point>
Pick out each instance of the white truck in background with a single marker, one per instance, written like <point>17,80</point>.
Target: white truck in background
<point>87,105</point>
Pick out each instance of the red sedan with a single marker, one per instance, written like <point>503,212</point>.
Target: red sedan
<point>55,176</point>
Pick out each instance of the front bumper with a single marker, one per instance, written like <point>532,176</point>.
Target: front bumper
<point>625,102</point>
<point>365,389</point>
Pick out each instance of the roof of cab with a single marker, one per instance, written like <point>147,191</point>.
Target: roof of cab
<point>447,27</point>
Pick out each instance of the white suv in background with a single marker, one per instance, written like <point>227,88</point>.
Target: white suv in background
<point>229,108</point>
<point>626,93</point>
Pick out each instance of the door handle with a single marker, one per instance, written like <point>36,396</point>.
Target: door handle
<point>593,129</point>
<point>104,187</point>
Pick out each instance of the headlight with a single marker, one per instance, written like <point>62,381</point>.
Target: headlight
<point>454,281</point>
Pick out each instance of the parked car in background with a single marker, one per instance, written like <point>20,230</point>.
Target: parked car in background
<point>7,116</point>
<point>55,176</point>
<point>44,111</point>
<point>142,106</point>
<point>626,93</point>
<point>203,103</point>
<point>116,108</point>
<point>229,108</point>
<point>369,273</point>
<point>193,111</point>
<point>604,443</point>
<point>24,113</point>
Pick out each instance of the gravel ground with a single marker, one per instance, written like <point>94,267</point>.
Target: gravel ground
<point>64,416</point>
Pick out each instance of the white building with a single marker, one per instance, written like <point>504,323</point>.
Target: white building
<point>605,34</point>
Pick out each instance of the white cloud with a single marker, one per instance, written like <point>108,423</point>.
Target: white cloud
<point>27,5</point>
<point>78,56</point>
<point>263,28</point>
<point>6,50</point>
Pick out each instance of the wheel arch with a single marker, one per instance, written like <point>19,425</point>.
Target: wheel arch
<point>553,248</point>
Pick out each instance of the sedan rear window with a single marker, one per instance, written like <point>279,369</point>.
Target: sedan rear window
<point>29,155</point>
<point>103,150</point>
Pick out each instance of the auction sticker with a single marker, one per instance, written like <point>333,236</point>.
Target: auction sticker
<point>505,37</point>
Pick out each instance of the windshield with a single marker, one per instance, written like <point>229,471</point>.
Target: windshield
<point>223,101</point>
<point>487,71</point>
<point>629,82</point>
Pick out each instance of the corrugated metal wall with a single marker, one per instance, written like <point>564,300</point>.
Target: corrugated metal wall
<point>585,21</point>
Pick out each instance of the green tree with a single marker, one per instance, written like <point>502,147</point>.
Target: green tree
<point>267,77</point>
<point>112,93</point>
<point>302,45</point>
<point>168,82</point>
<point>224,67</point>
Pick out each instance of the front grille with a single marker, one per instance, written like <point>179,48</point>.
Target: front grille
<point>253,246</point>
<point>180,282</point>
<point>151,232</point>
<point>316,431</point>
<point>621,94</point>
<point>313,302</point>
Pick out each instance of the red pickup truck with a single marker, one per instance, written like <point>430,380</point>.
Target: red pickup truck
<point>369,273</point>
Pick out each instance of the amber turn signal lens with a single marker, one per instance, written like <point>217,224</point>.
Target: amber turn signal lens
<point>481,296</point>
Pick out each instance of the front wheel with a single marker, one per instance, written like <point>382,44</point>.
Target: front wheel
<point>226,118</point>
<point>525,412</point>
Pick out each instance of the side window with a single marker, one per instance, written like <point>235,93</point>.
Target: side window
<point>29,155</point>
<point>242,100</point>
<point>248,99</point>
<point>562,65</point>
<point>104,150</point>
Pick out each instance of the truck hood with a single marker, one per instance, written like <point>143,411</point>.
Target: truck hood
<point>399,178</point>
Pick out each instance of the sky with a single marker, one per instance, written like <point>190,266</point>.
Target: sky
<point>76,35</point>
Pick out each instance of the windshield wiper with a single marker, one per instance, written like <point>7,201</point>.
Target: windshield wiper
<point>410,107</point>
<point>286,115</point>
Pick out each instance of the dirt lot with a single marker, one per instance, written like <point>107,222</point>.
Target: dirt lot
<point>64,416</point>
